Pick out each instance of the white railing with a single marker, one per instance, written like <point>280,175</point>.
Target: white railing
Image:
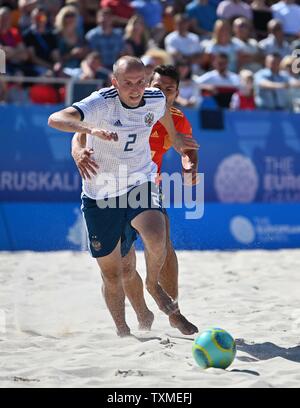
<point>69,83</point>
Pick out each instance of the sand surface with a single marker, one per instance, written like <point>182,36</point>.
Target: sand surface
<point>58,332</point>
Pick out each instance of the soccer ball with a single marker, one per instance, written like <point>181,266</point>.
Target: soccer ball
<point>214,348</point>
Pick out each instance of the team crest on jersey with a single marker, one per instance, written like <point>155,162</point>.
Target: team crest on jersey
<point>149,119</point>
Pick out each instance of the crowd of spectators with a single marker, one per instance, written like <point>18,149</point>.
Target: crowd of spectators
<point>239,54</point>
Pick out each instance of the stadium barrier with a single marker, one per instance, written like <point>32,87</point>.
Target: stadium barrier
<point>251,166</point>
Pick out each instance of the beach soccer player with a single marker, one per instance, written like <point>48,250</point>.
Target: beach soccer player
<point>165,78</point>
<point>118,123</point>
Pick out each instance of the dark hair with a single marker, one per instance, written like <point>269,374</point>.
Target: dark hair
<point>168,71</point>
<point>184,63</point>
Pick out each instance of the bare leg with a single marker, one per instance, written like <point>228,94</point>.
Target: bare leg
<point>133,288</point>
<point>151,226</point>
<point>112,289</point>
<point>168,278</point>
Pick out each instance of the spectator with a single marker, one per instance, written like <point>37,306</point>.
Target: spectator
<point>221,43</point>
<point>248,51</point>
<point>231,9</point>
<point>12,44</point>
<point>15,12</point>
<point>71,45</point>
<point>105,39</point>
<point>275,42</point>
<point>181,42</point>
<point>159,56</point>
<point>25,8</point>
<point>169,18</point>
<point>136,38</point>
<point>52,7</point>
<point>41,43</point>
<point>90,68</point>
<point>189,94</point>
<point>88,11</point>
<point>272,85</point>
<point>203,16</point>
<point>244,99</point>
<point>79,6</point>
<point>221,82</point>
<point>152,13</point>
<point>288,13</point>
<point>262,14</point>
<point>150,10</point>
<point>121,9</point>
<point>290,65</point>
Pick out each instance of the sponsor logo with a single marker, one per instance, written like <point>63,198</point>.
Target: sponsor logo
<point>261,230</point>
<point>118,123</point>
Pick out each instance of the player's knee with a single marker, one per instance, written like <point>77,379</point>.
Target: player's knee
<point>111,276</point>
<point>155,242</point>
<point>128,272</point>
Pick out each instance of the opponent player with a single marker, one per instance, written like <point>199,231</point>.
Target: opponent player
<point>118,124</point>
<point>165,78</point>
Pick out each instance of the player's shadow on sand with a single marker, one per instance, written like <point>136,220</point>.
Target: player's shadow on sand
<point>265,351</point>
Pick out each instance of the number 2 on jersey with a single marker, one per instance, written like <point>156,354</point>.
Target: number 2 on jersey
<point>132,139</point>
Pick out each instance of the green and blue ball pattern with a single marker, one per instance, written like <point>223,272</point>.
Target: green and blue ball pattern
<point>214,348</point>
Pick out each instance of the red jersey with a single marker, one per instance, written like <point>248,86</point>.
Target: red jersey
<point>160,141</point>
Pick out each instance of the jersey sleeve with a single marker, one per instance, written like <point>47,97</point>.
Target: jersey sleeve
<point>91,108</point>
<point>182,125</point>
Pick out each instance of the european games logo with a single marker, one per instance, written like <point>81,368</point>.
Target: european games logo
<point>236,180</point>
<point>242,230</point>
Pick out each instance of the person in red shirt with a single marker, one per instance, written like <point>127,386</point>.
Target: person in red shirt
<point>166,78</point>
<point>12,44</point>
<point>244,98</point>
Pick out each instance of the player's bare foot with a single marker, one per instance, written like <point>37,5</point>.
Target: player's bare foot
<point>123,331</point>
<point>164,302</point>
<point>178,321</point>
<point>145,323</point>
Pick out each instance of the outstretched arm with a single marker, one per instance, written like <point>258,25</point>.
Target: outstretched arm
<point>180,142</point>
<point>69,120</point>
<point>189,163</point>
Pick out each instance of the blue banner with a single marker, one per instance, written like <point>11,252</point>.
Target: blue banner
<point>35,160</point>
<point>251,166</point>
<point>246,156</point>
<point>58,226</point>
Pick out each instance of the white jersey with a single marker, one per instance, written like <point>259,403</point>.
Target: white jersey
<point>127,162</point>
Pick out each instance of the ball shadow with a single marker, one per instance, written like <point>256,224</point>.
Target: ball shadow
<point>268,350</point>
